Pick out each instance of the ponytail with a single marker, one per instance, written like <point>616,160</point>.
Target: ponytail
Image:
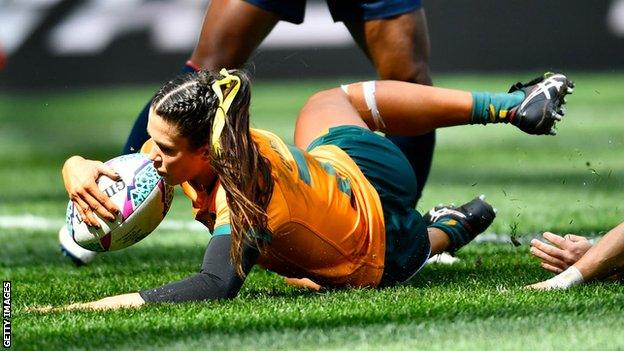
<point>213,108</point>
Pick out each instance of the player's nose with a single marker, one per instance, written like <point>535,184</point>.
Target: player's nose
<point>154,156</point>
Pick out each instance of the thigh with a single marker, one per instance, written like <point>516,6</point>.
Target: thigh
<point>366,10</point>
<point>397,46</point>
<point>324,110</point>
<point>292,11</point>
<point>231,31</point>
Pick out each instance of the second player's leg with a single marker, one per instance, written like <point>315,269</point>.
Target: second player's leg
<point>231,31</point>
<point>399,48</point>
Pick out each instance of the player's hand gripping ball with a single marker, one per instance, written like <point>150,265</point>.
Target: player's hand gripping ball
<point>142,197</point>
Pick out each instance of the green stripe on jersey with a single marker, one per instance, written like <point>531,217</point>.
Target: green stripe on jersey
<point>302,165</point>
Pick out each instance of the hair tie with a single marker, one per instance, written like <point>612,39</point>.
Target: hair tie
<point>231,85</point>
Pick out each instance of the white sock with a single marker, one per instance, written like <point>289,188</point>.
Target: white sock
<point>566,279</point>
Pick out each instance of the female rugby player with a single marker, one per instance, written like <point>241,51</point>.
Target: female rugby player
<point>338,209</point>
<point>393,35</point>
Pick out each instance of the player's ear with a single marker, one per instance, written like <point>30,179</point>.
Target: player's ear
<point>205,152</point>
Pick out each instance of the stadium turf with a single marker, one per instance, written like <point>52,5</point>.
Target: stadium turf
<point>569,183</point>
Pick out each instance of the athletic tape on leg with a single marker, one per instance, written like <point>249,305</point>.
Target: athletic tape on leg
<point>371,103</point>
<point>365,103</point>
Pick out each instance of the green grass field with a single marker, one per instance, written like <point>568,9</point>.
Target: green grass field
<point>568,183</point>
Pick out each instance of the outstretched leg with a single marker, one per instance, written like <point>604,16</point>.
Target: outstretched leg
<point>411,109</point>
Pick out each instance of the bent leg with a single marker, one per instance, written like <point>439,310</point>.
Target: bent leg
<point>323,110</point>
<point>393,107</point>
<point>399,49</point>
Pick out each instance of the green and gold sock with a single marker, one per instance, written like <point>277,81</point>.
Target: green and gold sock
<point>494,108</point>
<point>458,234</point>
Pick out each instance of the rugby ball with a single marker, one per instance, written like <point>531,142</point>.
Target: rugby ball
<point>142,197</point>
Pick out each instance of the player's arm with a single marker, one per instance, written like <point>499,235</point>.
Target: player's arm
<point>216,280</point>
<point>602,260</point>
<point>107,303</point>
<point>80,176</point>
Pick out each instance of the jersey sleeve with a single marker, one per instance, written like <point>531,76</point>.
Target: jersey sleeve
<point>216,280</point>
<point>147,146</point>
<point>222,214</point>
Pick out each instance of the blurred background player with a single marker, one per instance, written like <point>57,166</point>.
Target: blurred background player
<point>576,260</point>
<point>392,33</point>
<point>255,193</point>
<point>2,59</point>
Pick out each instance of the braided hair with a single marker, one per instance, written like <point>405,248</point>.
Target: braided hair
<point>190,103</point>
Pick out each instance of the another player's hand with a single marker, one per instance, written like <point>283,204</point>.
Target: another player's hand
<point>564,252</point>
<point>80,176</point>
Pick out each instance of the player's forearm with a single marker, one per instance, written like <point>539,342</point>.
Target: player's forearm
<point>606,257</point>
<point>199,287</point>
<point>131,300</point>
<point>402,108</point>
<point>217,280</point>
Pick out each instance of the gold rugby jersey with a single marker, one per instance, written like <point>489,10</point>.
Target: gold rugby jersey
<point>325,219</point>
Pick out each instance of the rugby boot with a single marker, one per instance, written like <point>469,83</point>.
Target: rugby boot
<point>543,104</point>
<point>463,223</point>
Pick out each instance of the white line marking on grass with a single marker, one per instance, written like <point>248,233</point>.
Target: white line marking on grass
<point>32,222</point>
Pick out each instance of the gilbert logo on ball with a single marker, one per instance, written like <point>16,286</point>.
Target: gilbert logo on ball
<point>142,196</point>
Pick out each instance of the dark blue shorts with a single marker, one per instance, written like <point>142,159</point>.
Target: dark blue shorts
<point>389,172</point>
<point>341,10</point>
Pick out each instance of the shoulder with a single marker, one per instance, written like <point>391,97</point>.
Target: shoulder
<point>147,146</point>
<point>264,137</point>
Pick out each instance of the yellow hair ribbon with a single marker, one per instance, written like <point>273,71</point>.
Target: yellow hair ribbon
<point>231,83</point>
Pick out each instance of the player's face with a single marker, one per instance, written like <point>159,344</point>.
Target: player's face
<point>173,157</point>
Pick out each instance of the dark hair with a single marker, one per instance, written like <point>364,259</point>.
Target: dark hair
<point>190,103</point>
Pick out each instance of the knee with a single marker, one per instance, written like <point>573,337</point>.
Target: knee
<point>414,71</point>
<point>317,99</point>
<point>320,97</point>
<point>304,114</point>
